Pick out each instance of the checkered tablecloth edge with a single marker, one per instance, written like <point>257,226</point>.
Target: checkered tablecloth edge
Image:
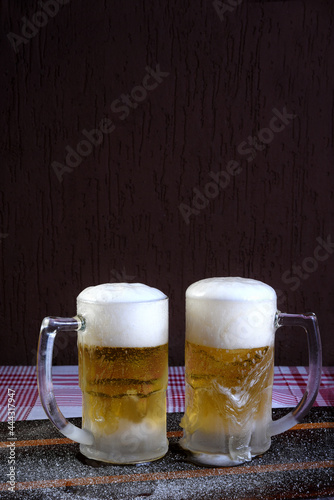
<point>289,386</point>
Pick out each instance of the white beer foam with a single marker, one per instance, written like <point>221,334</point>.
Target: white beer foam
<point>230,313</point>
<point>123,315</point>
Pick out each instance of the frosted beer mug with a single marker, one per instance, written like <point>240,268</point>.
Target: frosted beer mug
<point>123,370</point>
<point>229,369</point>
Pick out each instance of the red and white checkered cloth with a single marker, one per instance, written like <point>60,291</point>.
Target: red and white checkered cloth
<point>289,385</point>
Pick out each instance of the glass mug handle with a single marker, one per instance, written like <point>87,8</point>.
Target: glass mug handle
<point>310,324</point>
<point>49,328</point>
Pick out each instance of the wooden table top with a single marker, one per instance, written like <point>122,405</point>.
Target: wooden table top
<point>299,464</point>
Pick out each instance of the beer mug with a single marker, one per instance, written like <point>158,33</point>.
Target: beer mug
<point>123,371</point>
<point>229,370</point>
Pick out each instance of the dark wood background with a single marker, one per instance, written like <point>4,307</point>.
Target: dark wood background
<point>116,215</point>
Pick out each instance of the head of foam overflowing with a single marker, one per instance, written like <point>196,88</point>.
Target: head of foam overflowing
<point>230,313</point>
<point>123,315</point>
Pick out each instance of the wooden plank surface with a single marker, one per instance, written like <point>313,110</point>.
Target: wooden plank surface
<point>299,464</point>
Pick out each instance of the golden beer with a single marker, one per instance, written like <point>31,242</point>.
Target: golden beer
<point>228,369</point>
<point>123,371</point>
<point>123,384</point>
<point>228,395</point>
